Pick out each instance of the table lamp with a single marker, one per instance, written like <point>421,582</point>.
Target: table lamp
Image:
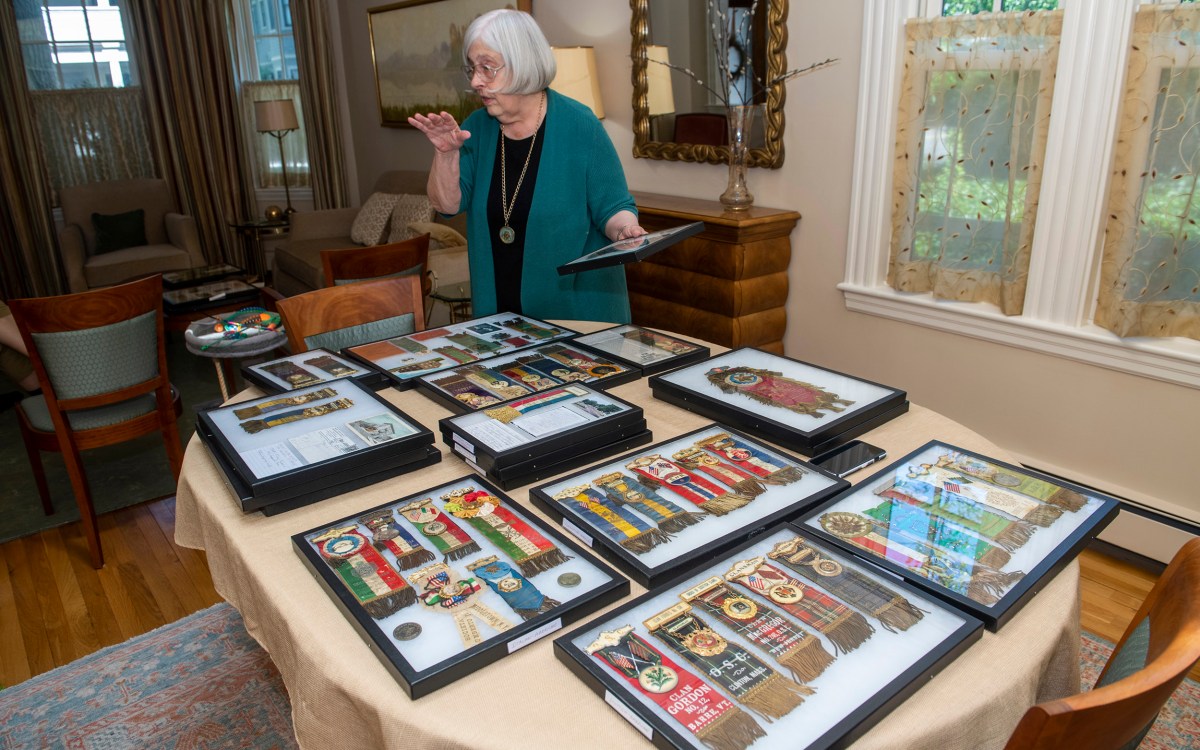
<point>659,94</point>
<point>277,117</point>
<point>577,78</point>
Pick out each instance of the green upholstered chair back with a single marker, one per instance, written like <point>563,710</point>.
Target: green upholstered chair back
<point>375,330</point>
<point>1127,660</point>
<point>406,272</point>
<point>100,360</point>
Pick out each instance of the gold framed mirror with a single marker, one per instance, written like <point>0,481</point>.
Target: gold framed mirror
<point>677,119</point>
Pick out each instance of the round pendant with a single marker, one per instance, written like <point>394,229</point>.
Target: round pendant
<point>827,567</point>
<point>739,608</point>
<point>785,593</point>
<point>658,679</point>
<point>704,642</point>
<point>509,585</point>
<point>1007,480</point>
<point>435,528</point>
<point>507,235</point>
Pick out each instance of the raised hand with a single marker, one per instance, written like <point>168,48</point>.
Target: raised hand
<point>441,129</point>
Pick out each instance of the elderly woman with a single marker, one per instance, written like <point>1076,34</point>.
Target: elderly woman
<point>538,177</point>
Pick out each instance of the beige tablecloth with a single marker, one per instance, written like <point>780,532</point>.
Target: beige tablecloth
<point>342,696</point>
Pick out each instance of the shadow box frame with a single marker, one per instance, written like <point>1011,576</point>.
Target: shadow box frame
<point>961,631</point>
<point>596,340</point>
<point>777,423</point>
<point>427,385</point>
<point>253,372</point>
<point>1065,549</point>
<point>308,483</point>
<point>418,683</point>
<point>737,527</point>
<point>407,382</point>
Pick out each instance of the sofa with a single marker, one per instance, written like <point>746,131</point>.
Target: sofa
<point>297,265</point>
<point>172,242</point>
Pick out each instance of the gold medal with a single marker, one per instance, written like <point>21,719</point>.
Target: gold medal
<point>704,642</point>
<point>739,608</point>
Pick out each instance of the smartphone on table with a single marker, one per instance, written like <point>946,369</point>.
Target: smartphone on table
<point>849,457</point>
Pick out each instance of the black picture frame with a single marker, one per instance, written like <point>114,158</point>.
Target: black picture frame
<point>966,559</point>
<point>598,586</point>
<point>303,481</point>
<point>856,690</point>
<point>685,546</point>
<point>401,360</point>
<point>823,416</point>
<point>651,350</point>
<point>463,388</point>
<point>623,252</point>
<point>260,374</point>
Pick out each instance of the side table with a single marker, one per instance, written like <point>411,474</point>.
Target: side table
<point>224,351</point>
<point>456,295</point>
<point>253,233</point>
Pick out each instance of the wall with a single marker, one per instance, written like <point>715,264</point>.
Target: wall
<point>1125,434</point>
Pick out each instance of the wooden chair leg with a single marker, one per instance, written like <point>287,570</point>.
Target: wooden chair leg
<point>83,499</point>
<point>35,463</point>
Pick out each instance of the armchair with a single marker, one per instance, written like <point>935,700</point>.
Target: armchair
<point>172,242</point>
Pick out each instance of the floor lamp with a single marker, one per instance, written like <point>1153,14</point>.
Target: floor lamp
<point>277,117</point>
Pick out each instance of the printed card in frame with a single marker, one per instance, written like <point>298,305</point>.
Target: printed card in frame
<point>304,369</point>
<point>663,509</point>
<point>741,650</point>
<point>416,47</point>
<point>801,406</point>
<point>981,534</point>
<point>653,351</point>
<point>445,581</point>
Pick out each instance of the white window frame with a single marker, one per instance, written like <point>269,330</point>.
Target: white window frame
<point>1063,273</point>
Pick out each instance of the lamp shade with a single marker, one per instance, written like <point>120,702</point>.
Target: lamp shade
<point>577,77</point>
<point>275,114</point>
<point>658,81</point>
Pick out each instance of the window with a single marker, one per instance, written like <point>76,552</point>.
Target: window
<point>267,51</point>
<point>89,110</point>
<point>1062,280</point>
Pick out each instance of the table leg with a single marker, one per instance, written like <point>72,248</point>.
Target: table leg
<point>221,364</point>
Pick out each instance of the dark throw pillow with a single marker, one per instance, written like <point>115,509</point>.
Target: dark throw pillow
<point>119,231</point>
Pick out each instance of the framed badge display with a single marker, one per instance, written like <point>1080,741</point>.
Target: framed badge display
<point>483,385</point>
<point>982,534</point>
<point>304,369</point>
<point>798,405</point>
<point>783,642</point>
<point>227,292</point>
<point>664,509</point>
<point>559,429</point>
<point>646,348</point>
<point>405,358</point>
<point>312,443</point>
<point>621,252</point>
<point>445,581</point>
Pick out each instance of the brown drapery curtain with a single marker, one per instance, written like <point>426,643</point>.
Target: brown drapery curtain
<point>318,99</point>
<point>1150,268</point>
<point>187,71</point>
<point>29,259</point>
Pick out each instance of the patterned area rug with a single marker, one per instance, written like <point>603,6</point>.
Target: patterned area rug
<point>202,682</point>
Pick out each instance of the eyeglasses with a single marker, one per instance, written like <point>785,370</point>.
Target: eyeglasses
<point>486,72</point>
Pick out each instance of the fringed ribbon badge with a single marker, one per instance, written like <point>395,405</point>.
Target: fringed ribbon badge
<point>442,589</point>
<point>524,597</point>
<point>367,575</point>
<point>613,520</point>
<point>766,467</point>
<point>625,490</point>
<point>446,535</point>
<point>775,389</point>
<point>388,534</point>
<point>694,488</point>
<point>531,551</point>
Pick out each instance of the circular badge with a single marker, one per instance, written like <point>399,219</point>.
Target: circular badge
<point>742,378</point>
<point>569,579</point>
<point>601,371</point>
<point>827,567</point>
<point>435,527</point>
<point>785,593</point>
<point>658,679</point>
<point>739,608</point>
<point>362,568</point>
<point>704,642</point>
<point>739,454</point>
<point>531,378</point>
<point>560,372</point>
<point>509,585</point>
<point>406,631</point>
<point>344,546</point>
<point>845,525</point>
<point>1006,480</point>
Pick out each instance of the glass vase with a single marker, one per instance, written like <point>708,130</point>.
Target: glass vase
<point>737,195</point>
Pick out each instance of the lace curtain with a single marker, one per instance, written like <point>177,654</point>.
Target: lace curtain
<point>1150,267</point>
<point>93,135</point>
<point>974,111</point>
<point>266,147</point>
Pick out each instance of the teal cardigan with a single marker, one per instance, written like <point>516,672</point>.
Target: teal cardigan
<point>580,186</point>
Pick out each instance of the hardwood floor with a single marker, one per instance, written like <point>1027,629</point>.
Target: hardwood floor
<point>54,608</point>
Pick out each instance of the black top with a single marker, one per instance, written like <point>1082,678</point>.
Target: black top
<point>508,260</point>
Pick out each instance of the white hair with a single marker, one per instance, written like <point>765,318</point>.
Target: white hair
<point>521,44</point>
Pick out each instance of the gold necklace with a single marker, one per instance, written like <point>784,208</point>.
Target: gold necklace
<point>507,233</point>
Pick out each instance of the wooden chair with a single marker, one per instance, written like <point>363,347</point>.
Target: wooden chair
<point>407,257</point>
<point>1152,658</point>
<point>339,316</point>
<point>101,361</point>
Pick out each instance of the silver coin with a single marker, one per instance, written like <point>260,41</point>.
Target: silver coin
<point>406,631</point>
<point>1007,480</point>
<point>569,579</point>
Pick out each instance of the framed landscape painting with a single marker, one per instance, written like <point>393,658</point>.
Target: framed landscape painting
<point>417,47</point>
